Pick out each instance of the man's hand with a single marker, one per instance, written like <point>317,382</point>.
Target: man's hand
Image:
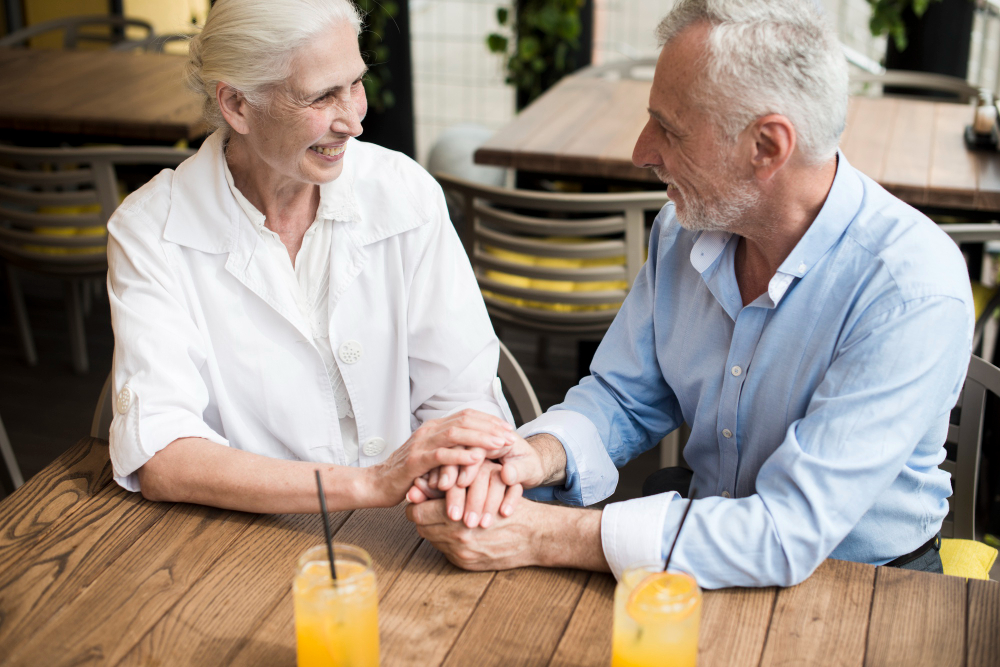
<point>536,534</point>
<point>462,439</point>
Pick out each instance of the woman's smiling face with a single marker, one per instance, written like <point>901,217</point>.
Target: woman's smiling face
<point>301,135</point>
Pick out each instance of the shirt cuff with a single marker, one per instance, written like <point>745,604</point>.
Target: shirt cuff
<point>591,475</point>
<point>632,531</point>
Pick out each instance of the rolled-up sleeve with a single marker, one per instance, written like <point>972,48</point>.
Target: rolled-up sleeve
<point>159,392</point>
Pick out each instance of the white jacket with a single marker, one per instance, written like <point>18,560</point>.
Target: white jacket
<point>209,344</point>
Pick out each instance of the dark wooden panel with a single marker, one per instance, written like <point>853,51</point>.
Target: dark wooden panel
<point>908,158</point>
<point>984,623</point>
<point>917,619</point>
<point>587,640</point>
<point>823,620</point>
<point>52,497</point>
<point>734,624</point>
<point>533,605</point>
<point>954,176</point>
<point>130,595</point>
<point>422,615</point>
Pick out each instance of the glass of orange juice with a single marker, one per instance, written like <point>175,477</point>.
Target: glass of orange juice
<point>657,616</point>
<point>336,623</point>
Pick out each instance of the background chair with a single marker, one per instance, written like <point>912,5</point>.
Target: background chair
<point>566,274</point>
<point>517,385</point>
<point>54,207</point>
<point>99,28</point>
<point>987,299</point>
<point>10,473</point>
<point>933,87</point>
<point>960,554</point>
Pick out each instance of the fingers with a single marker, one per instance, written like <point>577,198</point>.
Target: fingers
<point>428,513</point>
<point>456,457</point>
<point>475,498</point>
<point>433,478</point>
<point>415,495</point>
<point>511,498</point>
<point>447,477</point>
<point>467,474</point>
<point>494,497</point>
<point>422,491</point>
<point>455,501</point>
<point>491,432</point>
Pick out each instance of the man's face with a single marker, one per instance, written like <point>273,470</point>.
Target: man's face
<point>710,187</point>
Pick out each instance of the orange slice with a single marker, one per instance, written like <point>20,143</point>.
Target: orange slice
<point>663,593</point>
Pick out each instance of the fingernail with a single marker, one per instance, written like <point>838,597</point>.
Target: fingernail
<point>455,513</point>
<point>471,520</point>
<point>505,510</point>
<point>497,441</point>
<point>487,520</point>
<point>443,481</point>
<point>507,425</point>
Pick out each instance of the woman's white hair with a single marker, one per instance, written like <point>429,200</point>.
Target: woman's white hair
<point>249,45</point>
<point>769,56</point>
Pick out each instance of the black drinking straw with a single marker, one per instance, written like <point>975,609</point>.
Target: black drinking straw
<point>679,528</point>
<point>326,527</point>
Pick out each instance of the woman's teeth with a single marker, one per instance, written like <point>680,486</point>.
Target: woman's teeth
<point>329,152</point>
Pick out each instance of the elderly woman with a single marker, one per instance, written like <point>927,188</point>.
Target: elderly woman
<point>290,299</point>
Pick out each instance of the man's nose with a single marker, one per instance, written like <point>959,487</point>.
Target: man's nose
<point>644,153</point>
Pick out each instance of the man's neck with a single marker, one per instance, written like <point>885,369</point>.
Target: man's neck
<point>787,210</point>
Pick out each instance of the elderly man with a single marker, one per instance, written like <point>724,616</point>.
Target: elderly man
<point>812,330</point>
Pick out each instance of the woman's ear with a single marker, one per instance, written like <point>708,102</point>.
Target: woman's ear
<point>234,107</point>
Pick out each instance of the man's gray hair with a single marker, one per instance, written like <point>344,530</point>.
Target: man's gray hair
<point>769,56</point>
<point>250,44</point>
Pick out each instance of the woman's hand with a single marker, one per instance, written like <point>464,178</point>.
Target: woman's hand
<point>461,439</point>
<point>479,504</point>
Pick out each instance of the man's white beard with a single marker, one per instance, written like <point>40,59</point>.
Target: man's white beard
<point>724,212</point>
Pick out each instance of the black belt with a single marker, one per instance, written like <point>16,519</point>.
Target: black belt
<point>933,543</point>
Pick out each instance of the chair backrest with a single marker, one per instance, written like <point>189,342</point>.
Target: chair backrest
<point>977,232</point>
<point>558,274</point>
<point>76,29</point>
<point>12,477</point>
<point>964,446</point>
<point>55,203</point>
<point>517,385</point>
<point>100,425</point>
<point>960,89</point>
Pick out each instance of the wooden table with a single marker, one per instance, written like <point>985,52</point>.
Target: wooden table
<point>92,574</point>
<point>105,94</point>
<point>588,126</point>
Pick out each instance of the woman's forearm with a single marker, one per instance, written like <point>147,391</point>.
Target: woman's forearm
<point>194,470</point>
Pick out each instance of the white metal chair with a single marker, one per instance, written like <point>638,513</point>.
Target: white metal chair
<point>978,232</point>
<point>874,84</point>
<point>12,477</point>
<point>99,28</point>
<point>54,205</point>
<point>964,446</point>
<point>566,274</point>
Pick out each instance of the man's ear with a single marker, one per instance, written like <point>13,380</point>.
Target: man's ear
<point>774,140</point>
<point>234,107</point>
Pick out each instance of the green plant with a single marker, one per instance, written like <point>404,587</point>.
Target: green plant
<point>377,15</point>
<point>887,18</point>
<point>546,41</point>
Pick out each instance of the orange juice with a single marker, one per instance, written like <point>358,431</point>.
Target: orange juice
<point>336,623</point>
<point>657,616</point>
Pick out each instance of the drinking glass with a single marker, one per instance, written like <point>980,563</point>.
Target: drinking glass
<point>657,616</point>
<point>336,623</point>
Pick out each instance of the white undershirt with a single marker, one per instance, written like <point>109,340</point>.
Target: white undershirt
<point>309,281</point>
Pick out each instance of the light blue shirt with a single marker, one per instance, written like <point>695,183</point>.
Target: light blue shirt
<point>818,412</point>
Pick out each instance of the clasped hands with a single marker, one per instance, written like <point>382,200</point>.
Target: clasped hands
<point>476,494</point>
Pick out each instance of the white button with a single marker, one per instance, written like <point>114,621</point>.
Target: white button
<point>737,370</point>
<point>350,352</point>
<point>124,399</point>
<point>726,433</point>
<point>373,446</point>
<point>725,494</point>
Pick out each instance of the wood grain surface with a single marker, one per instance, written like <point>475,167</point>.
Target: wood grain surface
<point>92,574</point>
<point>588,126</point>
<point>101,93</point>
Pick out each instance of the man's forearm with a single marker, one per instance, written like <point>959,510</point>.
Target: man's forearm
<point>571,537</point>
<point>553,458</point>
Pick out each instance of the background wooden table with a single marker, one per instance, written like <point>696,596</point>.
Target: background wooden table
<point>137,96</point>
<point>91,574</point>
<point>588,126</point>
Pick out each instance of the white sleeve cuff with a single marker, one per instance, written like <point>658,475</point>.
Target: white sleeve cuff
<point>591,475</point>
<point>632,531</point>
